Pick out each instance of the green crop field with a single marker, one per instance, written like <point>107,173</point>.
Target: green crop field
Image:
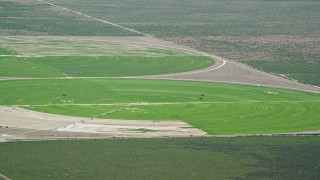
<point>4,51</point>
<point>173,158</point>
<point>307,72</point>
<point>77,60</point>
<point>99,66</point>
<point>35,18</point>
<point>21,67</point>
<point>198,18</point>
<point>214,107</point>
<point>255,32</point>
<point>91,57</point>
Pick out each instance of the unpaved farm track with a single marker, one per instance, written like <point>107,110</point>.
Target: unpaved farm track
<point>3,177</point>
<point>232,72</point>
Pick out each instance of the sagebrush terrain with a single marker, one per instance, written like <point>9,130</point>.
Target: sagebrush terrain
<point>172,158</point>
<point>80,71</point>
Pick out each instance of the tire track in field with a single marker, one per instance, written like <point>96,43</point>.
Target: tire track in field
<point>4,177</point>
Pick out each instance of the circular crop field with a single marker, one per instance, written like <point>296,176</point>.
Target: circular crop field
<point>99,66</point>
<point>216,108</point>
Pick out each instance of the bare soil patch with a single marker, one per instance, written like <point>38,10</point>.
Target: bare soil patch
<point>90,46</point>
<point>18,123</point>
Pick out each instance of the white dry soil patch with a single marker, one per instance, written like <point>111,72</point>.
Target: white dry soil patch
<point>40,46</point>
<point>18,123</point>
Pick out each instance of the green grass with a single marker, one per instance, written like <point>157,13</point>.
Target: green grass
<point>23,67</point>
<point>223,109</point>
<point>102,91</point>
<point>99,66</point>
<point>174,158</point>
<point>214,118</point>
<point>144,130</point>
<point>5,51</point>
<point>124,65</point>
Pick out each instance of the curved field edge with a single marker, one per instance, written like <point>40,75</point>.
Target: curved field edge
<point>214,118</point>
<point>216,108</point>
<point>99,66</point>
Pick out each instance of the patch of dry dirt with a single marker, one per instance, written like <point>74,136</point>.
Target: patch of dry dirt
<point>89,46</point>
<point>18,123</point>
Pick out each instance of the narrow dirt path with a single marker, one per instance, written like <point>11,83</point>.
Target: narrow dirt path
<point>232,72</point>
<point>3,177</point>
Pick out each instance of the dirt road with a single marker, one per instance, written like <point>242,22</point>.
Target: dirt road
<point>232,72</point>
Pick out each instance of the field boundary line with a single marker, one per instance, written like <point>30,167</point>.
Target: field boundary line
<point>191,72</point>
<point>4,177</point>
